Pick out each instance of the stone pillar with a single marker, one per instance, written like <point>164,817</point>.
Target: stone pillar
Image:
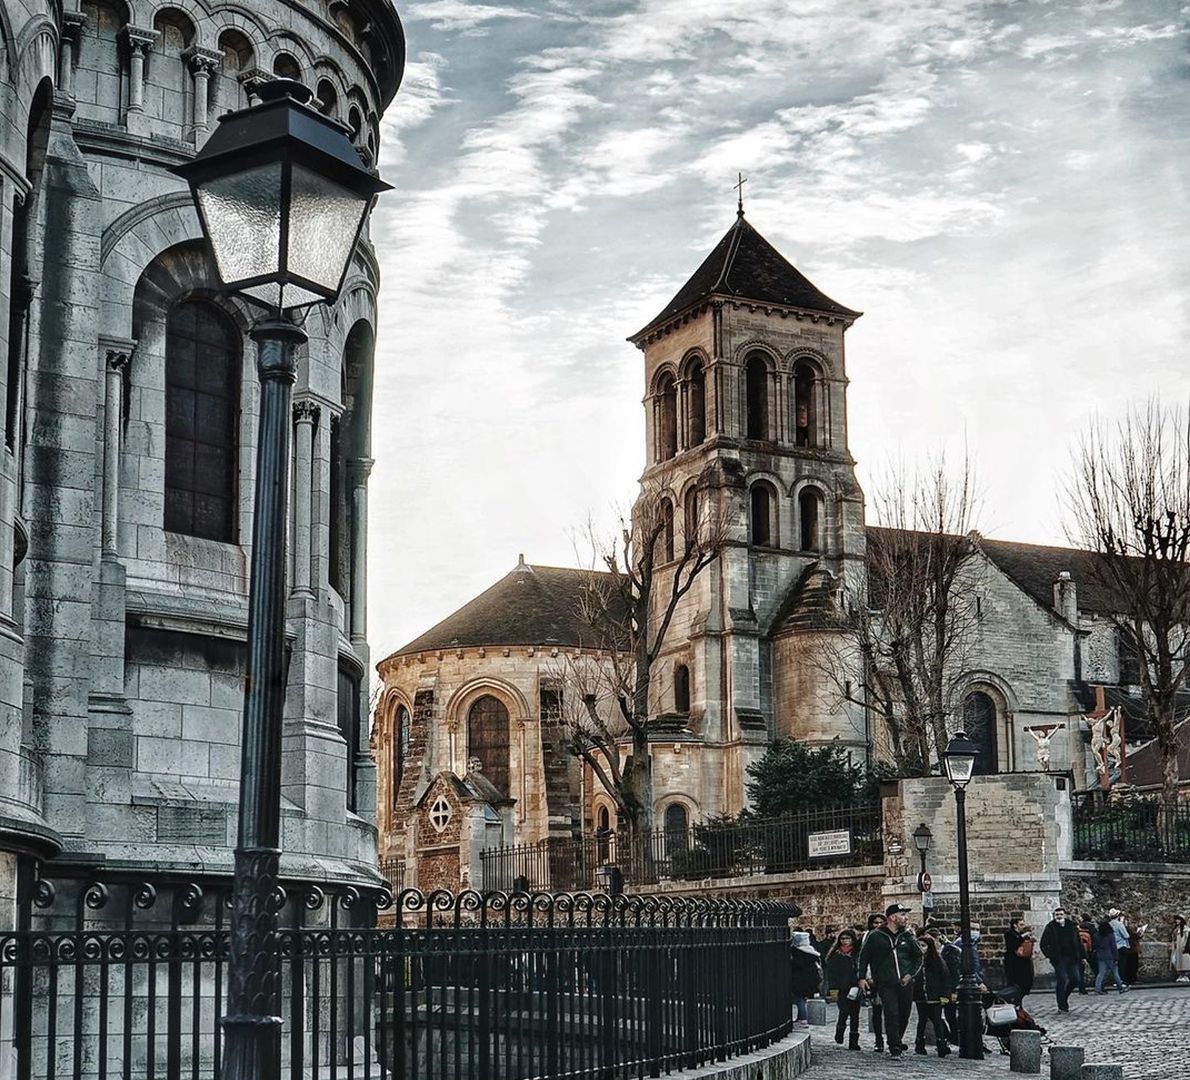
<point>203,63</point>
<point>1103,1071</point>
<point>304,414</point>
<point>116,358</point>
<point>73,24</point>
<point>140,43</point>
<point>250,80</point>
<point>1025,1051</point>
<point>1066,1062</point>
<point>357,474</point>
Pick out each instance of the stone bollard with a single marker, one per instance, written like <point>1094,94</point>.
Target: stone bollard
<point>1099,1071</point>
<point>1024,1048</point>
<point>1066,1062</point>
<point>816,1011</point>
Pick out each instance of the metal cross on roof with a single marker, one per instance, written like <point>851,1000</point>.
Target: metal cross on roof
<point>739,186</point>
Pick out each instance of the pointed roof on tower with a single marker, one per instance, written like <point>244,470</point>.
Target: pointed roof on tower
<point>745,266</point>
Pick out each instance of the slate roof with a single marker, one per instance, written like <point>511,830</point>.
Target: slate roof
<point>745,265</point>
<point>531,605</point>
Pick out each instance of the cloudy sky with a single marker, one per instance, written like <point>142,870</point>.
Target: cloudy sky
<point>1000,187</point>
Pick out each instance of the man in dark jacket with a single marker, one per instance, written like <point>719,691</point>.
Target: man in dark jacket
<point>1061,947</point>
<point>889,961</point>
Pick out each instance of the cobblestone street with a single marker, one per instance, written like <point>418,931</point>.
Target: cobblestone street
<point>1144,1030</point>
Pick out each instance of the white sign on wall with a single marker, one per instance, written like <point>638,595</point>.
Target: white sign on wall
<point>824,845</point>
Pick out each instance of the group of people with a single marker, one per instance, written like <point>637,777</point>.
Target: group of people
<point>894,968</point>
<point>890,967</point>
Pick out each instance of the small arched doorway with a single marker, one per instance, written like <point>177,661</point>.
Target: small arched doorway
<point>979,718</point>
<point>677,827</point>
<point>487,739</point>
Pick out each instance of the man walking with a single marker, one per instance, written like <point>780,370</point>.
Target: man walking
<point>892,956</point>
<point>1061,947</point>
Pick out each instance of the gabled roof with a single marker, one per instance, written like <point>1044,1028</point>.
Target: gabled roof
<point>531,605</point>
<point>745,265</point>
<point>1035,567</point>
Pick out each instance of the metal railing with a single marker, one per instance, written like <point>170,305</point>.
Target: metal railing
<point>392,869</point>
<point>815,839</point>
<point>495,986</point>
<point>1138,830</point>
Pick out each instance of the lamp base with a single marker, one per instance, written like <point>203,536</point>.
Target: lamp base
<point>251,1048</point>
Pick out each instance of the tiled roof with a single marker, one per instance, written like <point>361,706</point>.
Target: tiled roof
<point>1145,766</point>
<point>745,265</point>
<point>531,605</point>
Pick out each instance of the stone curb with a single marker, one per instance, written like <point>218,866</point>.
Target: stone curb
<point>783,1060</point>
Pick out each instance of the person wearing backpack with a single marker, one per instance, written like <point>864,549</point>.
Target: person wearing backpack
<point>893,957</point>
<point>1019,944</point>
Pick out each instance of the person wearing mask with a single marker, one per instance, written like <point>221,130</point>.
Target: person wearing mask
<point>1107,955</point>
<point>842,984</point>
<point>807,972</point>
<point>1179,950</point>
<point>876,921</point>
<point>893,959</point>
<point>1018,956</point>
<point>1061,947</point>
<point>932,989</point>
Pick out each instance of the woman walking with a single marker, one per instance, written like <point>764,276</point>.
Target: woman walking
<point>1179,950</point>
<point>1019,944</point>
<point>932,989</point>
<point>1107,957</point>
<point>842,984</point>
<point>807,972</point>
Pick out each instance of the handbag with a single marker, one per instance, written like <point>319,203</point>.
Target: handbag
<point>1025,949</point>
<point>999,1015</point>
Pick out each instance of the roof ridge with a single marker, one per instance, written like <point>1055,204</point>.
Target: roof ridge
<point>737,231</point>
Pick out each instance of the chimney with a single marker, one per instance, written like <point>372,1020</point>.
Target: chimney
<point>1066,597</point>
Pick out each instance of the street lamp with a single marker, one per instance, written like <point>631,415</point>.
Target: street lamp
<point>282,197</point>
<point>959,757</point>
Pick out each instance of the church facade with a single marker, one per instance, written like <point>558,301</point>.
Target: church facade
<point>745,385</point>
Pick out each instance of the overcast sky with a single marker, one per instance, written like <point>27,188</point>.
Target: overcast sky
<point>1000,187</point>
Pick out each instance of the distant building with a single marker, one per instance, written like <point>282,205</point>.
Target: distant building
<point>745,406</point>
<point>126,475</point>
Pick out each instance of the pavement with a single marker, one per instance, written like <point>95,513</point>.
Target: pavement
<point>1144,1030</point>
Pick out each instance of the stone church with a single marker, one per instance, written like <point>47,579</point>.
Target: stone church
<point>126,475</point>
<point>745,384</point>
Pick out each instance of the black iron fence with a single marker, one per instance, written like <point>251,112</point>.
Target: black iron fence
<point>815,839</point>
<point>1135,830</point>
<point>127,980</point>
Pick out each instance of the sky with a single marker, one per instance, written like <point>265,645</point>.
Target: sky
<point>1002,189</point>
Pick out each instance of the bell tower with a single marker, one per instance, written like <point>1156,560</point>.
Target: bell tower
<point>746,419</point>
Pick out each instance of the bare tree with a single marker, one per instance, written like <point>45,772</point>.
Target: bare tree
<point>637,581</point>
<point>905,629</point>
<point>1129,501</point>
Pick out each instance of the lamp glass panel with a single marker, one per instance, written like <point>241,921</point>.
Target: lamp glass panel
<point>282,297</point>
<point>960,767</point>
<point>323,224</point>
<point>242,212</point>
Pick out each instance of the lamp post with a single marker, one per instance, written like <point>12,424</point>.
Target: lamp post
<point>960,756</point>
<point>922,838</point>
<point>282,197</point>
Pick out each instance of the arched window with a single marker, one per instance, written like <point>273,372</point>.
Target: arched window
<point>677,828</point>
<point>762,499</point>
<point>202,391</point>
<point>603,833</point>
<point>667,531</point>
<point>20,287</point>
<point>805,405</point>
<point>355,122</point>
<point>979,719</point>
<point>696,404</point>
<point>681,689</point>
<point>690,509</point>
<point>326,97</point>
<point>286,66</point>
<point>667,418</point>
<point>809,509</point>
<point>487,739</point>
<point>756,375</point>
<point>348,704</point>
<point>400,749</point>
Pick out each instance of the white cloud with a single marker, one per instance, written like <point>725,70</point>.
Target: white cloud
<point>459,15</point>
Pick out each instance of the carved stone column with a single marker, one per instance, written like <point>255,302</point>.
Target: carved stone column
<point>140,42</point>
<point>116,357</point>
<point>305,413</point>
<point>250,80</point>
<point>203,63</point>
<point>73,25</point>
<point>357,475</point>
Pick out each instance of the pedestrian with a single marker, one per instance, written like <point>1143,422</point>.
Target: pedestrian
<point>1060,944</point>
<point>876,921</point>
<point>1179,950</point>
<point>1107,956</point>
<point>842,985</point>
<point>893,958</point>
<point>1086,935</point>
<point>1130,957</point>
<point>932,990</point>
<point>1119,925</point>
<point>1019,944</point>
<point>807,972</point>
